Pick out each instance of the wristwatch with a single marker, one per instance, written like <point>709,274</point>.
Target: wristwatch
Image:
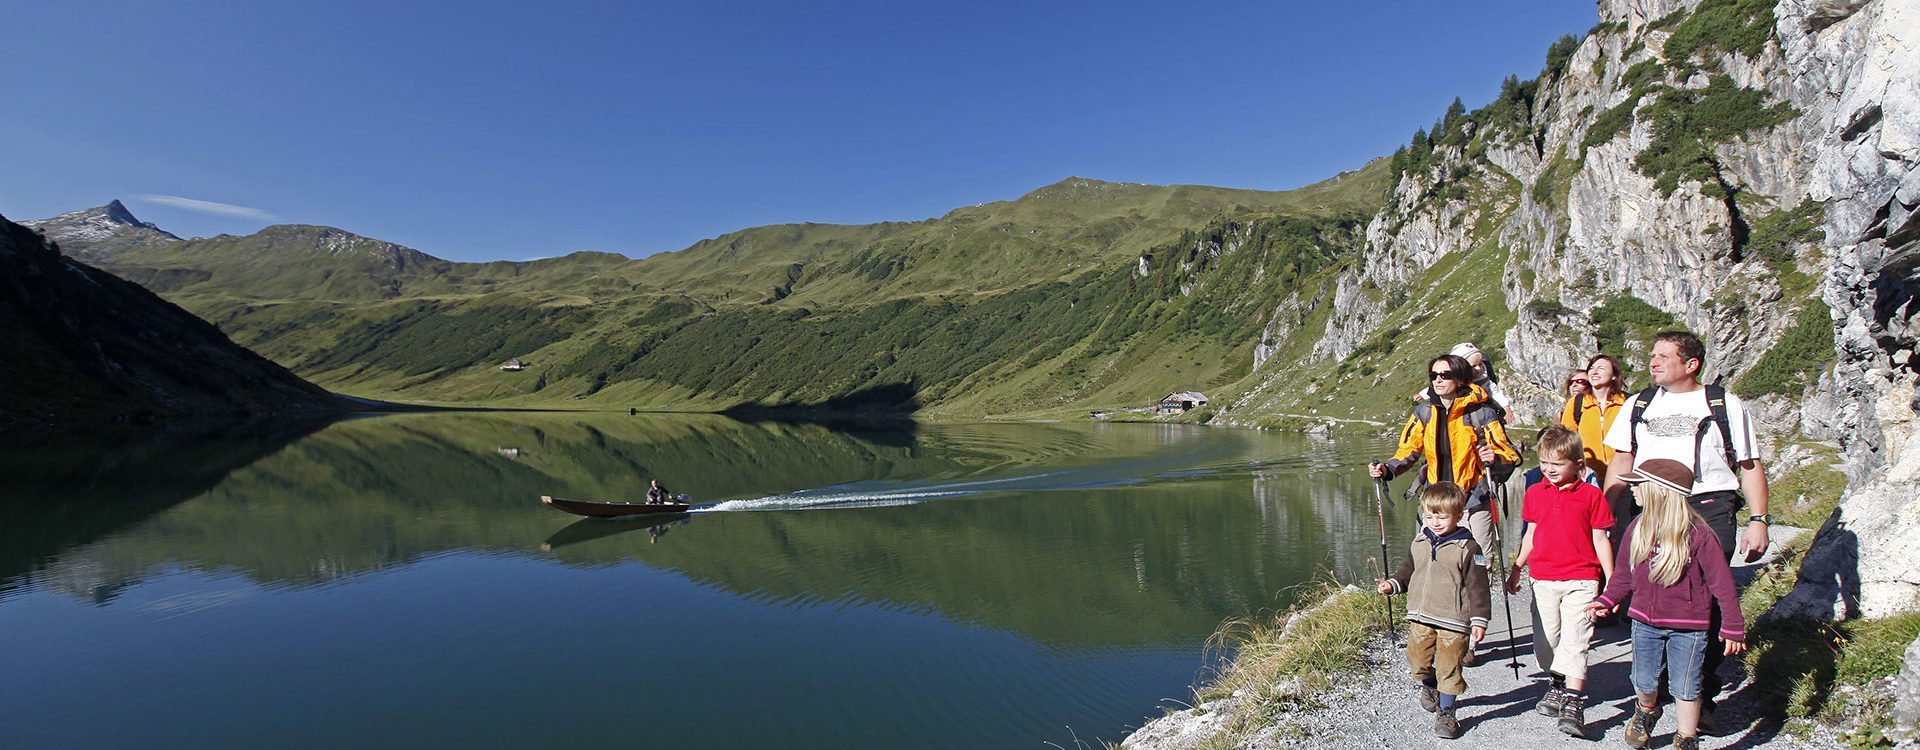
<point>1766,518</point>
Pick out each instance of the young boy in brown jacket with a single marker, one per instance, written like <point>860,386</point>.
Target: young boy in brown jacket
<point>1445,579</point>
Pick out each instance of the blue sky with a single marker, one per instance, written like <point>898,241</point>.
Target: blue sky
<point>485,130</point>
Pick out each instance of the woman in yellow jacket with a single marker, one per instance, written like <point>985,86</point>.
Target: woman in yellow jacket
<point>1460,432</point>
<point>1590,414</point>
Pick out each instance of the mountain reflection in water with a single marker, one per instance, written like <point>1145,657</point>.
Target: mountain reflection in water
<point>1099,545</point>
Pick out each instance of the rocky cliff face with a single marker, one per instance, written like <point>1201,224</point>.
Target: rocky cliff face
<point>1854,64</point>
<point>1660,180</point>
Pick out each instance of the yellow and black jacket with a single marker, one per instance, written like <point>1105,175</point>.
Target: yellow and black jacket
<point>1447,437</point>
<point>1591,418</point>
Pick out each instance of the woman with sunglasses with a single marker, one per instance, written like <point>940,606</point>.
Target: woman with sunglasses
<point>1461,435</point>
<point>1592,411</point>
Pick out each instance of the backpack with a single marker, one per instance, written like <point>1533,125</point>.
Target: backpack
<point>1717,415</point>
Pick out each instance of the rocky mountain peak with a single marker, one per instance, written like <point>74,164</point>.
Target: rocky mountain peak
<point>117,212</point>
<point>92,233</point>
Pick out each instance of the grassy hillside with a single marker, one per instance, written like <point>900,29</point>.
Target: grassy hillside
<point>1032,305</point>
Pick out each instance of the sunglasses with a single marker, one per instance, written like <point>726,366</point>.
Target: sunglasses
<point>1578,382</point>
<point>1441,376</point>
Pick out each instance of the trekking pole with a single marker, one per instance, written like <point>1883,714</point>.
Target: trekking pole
<point>1380,509</point>
<point>1497,507</point>
<point>1500,556</point>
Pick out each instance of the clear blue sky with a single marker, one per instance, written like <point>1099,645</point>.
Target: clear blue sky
<point>488,130</point>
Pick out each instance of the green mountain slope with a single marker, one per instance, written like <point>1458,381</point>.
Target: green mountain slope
<point>1080,294</point>
<point>84,346</point>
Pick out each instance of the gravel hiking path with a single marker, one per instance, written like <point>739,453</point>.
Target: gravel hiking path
<point>1376,707</point>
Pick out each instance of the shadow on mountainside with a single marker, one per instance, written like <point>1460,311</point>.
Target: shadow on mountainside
<point>87,348</point>
<point>881,413</point>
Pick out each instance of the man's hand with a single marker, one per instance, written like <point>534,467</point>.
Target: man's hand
<point>1754,541</point>
<point>1486,453</point>
<point>1383,586</point>
<point>1480,634</point>
<point>1376,469</point>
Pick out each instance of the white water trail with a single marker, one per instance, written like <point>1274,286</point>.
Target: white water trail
<point>858,496</point>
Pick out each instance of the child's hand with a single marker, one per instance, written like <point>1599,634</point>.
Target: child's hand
<point>1734,647</point>
<point>1383,586</point>
<point>1513,580</point>
<point>1597,610</point>
<point>1480,634</point>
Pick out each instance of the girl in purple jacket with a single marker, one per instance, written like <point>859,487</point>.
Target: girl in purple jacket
<point>1670,573</point>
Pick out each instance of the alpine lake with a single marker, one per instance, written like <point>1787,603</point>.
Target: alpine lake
<point>394,581</point>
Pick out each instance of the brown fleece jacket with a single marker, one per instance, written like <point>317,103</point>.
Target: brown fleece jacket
<point>1445,579</point>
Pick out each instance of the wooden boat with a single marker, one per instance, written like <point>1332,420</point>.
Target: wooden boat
<point>593,509</point>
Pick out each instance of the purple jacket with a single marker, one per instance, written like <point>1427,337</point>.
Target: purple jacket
<point>1705,583</point>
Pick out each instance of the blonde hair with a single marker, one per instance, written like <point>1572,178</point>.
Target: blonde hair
<point>1559,442</point>
<point>1444,497</point>
<point>1664,533</point>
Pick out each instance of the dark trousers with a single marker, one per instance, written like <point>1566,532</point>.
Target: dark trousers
<point>1719,509</point>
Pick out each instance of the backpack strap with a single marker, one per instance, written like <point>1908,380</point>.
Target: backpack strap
<point>1717,414</point>
<point>1636,416</point>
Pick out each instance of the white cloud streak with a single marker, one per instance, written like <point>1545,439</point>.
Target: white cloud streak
<point>208,207</point>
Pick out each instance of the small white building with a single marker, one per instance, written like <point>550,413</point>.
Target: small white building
<point>1181,401</point>
<point>513,365</point>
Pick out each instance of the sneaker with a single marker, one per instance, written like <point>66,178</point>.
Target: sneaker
<point>1640,726</point>
<point>1429,698</point>
<point>1686,743</point>
<point>1550,704</point>
<point>1447,726</point>
<point>1573,716</point>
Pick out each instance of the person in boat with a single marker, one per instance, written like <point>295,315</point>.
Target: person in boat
<point>658,493</point>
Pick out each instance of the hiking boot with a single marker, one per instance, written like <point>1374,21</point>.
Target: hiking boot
<point>1550,704</point>
<point>1429,698</point>
<point>1447,726</point>
<point>1686,743</point>
<point>1640,726</point>
<point>1573,715</point>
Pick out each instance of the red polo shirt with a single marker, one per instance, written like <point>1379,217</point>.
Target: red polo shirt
<point>1564,521</point>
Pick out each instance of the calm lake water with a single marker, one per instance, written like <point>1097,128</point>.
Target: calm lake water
<point>394,581</point>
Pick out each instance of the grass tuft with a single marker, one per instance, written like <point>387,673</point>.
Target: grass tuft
<point>1274,667</point>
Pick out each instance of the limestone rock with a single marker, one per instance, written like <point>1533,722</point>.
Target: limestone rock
<point>1906,689</point>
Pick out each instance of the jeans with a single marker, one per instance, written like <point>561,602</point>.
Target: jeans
<point>1682,653</point>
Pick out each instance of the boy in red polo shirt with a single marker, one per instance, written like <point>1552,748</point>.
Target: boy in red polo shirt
<point>1567,549</point>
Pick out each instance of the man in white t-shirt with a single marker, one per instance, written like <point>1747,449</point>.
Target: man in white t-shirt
<point>1676,422</point>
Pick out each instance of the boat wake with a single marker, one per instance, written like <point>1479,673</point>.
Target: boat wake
<point>879,494</point>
